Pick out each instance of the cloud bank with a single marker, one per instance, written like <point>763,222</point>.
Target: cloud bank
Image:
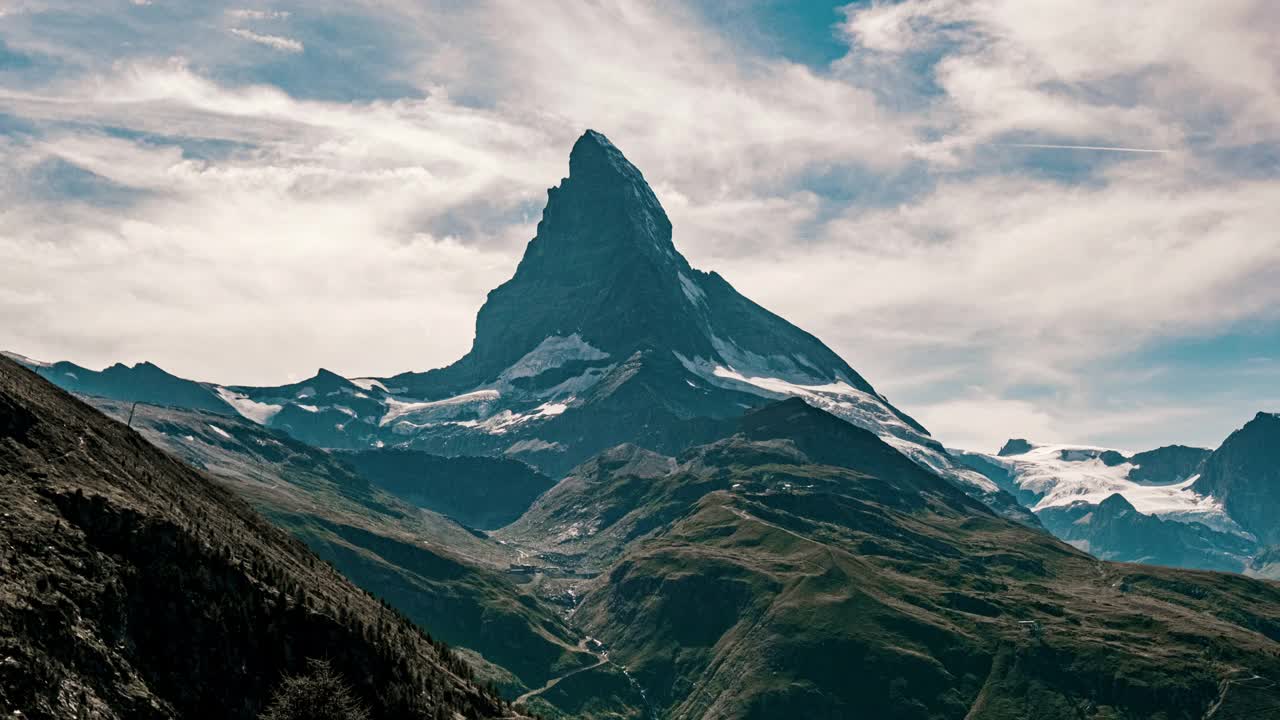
<point>243,194</point>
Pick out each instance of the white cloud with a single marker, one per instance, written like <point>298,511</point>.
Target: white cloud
<point>1055,276</point>
<point>384,222</point>
<point>252,14</point>
<point>982,422</point>
<point>275,42</point>
<point>1139,74</point>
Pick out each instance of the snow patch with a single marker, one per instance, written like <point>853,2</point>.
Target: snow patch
<point>865,410</point>
<point>439,409</point>
<point>533,445</point>
<point>1061,475</point>
<point>691,291</point>
<point>308,408</point>
<point>577,385</point>
<point>506,420</point>
<point>550,409</point>
<point>219,431</point>
<point>369,384</point>
<point>258,412</point>
<point>552,353</point>
<point>779,366</point>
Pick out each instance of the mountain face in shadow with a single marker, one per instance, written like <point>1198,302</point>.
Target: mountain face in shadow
<point>1244,474</point>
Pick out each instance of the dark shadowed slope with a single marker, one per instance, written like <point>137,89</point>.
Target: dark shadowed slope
<point>132,586</point>
<point>1244,475</point>
<point>479,492</point>
<point>439,574</point>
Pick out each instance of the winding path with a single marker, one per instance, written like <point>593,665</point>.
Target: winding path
<point>601,659</point>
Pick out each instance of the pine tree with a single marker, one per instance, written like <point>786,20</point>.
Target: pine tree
<point>320,694</point>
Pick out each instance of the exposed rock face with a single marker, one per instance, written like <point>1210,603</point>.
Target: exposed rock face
<point>603,267</point>
<point>1244,474</point>
<point>1115,530</point>
<point>1015,446</point>
<point>1167,465</point>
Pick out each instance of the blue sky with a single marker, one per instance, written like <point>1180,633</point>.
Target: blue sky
<point>245,191</point>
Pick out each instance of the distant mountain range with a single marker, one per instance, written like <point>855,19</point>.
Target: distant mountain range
<point>1181,506</point>
<point>604,335</point>
<point>607,335</point>
<point>794,566</point>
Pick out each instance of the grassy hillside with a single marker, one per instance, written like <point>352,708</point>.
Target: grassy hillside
<point>438,573</point>
<point>782,576</point>
<point>132,586</point>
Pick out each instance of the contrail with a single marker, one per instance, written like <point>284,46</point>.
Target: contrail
<point>1083,147</point>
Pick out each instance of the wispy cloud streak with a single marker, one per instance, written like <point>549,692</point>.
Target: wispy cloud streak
<point>1104,148</point>
<point>276,42</point>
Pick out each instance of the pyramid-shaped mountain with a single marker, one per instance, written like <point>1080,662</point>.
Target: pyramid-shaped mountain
<point>602,278</point>
<point>604,335</point>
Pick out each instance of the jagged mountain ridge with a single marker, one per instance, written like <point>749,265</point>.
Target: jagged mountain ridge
<point>1244,474</point>
<point>142,382</point>
<point>604,334</point>
<point>1175,505</point>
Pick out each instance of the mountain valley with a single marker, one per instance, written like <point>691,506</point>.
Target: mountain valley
<point>639,495</point>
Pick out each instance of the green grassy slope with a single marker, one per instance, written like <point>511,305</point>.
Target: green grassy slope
<point>792,588</point>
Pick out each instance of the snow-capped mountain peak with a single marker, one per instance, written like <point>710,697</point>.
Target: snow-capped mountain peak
<point>604,334</point>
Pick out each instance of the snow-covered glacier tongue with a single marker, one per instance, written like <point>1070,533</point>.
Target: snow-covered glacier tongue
<point>1049,477</point>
